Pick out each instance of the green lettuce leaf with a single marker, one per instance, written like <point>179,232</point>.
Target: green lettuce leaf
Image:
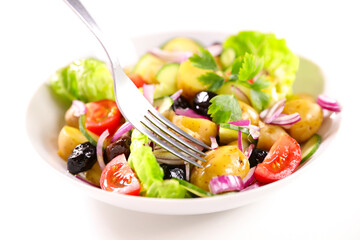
<point>149,172</point>
<point>279,61</point>
<point>86,80</point>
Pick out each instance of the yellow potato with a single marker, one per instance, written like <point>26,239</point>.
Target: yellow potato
<point>311,118</point>
<point>93,175</point>
<point>249,113</point>
<point>224,160</point>
<point>70,118</point>
<point>187,79</point>
<point>199,128</point>
<point>68,139</point>
<point>302,96</point>
<point>268,135</point>
<point>181,44</point>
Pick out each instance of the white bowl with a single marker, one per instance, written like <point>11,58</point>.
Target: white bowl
<point>43,134</point>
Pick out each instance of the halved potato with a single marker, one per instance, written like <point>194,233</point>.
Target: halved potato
<point>199,128</point>
<point>221,161</point>
<point>68,139</point>
<point>187,79</point>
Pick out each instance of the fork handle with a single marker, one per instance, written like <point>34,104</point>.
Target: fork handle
<point>85,16</point>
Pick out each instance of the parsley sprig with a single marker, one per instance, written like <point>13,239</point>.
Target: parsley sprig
<point>246,67</point>
<point>224,108</point>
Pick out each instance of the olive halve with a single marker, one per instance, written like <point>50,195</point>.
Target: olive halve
<point>82,158</point>
<point>201,102</point>
<point>180,103</point>
<point>120,146</point>
<point>257,156</point>
<point>173,171</point>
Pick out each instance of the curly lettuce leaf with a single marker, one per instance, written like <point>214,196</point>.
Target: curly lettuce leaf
<point>86,80</point>
<point>280,63</point>
<point>149,172</point>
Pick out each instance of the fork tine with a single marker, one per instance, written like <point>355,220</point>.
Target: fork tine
<point>148,124</point>
<point>165,130</point>
<point>164,145</point>
<point>175,128</point>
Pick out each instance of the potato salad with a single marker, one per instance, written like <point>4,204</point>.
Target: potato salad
<point>235,96</point>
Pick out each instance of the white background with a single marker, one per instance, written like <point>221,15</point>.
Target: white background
<point>37,36</point>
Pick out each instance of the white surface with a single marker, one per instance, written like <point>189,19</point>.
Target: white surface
<point>37,203</point>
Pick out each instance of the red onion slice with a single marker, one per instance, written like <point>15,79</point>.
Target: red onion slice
<point>268,115</point>
<point>214,144</point>
<point>240,123</point>
<point>121,131</point>
<point>148,92</point>
<point>176,95</point>
<point>79,107</point>
<point>240,94</point>
<point>254,130</point>
<point>249,178</point>
<point>285,119</point>
<point>249,150</point>
<point>188,112</point>
<point>86,181</point>
<point>225,183</point>
<point>168,56</point>
<point>328,103</point>
<point>252,186</point>
<point>215,49</point>
<point>240,141</point>
<point>99,148</point>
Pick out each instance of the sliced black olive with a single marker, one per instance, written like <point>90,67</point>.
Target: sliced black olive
<point>82,158</point>
<point>181,103</point>
<point>173,171</point>
<point>201,102</point>
<point>120,146</point>
<point>257,156</point>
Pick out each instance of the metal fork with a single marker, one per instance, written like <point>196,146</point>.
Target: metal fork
<point>135,108</point>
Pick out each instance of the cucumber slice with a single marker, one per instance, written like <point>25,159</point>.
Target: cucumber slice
<point>147,67</point>
<point>227,57</point>
<point>167,78</point>
<point>163,104</point>
<point>310,147</point>
<point>227,135</point>
<point>90,137</point>
<point>194,189</point>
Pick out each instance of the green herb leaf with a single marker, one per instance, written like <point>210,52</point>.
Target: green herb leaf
<point>259,99</point>
<point>212,80</point>
<point>224,108</point>
<point>260,83</point>
<point>247,67</point>
<point>205,60</point>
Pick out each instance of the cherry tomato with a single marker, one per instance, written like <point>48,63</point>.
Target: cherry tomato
<point>136,79</point>
<point>118,177</point>
<point>102,115</point>
<point>281,161</point>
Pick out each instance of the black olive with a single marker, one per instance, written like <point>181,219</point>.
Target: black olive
<point>181,102</point>
<point>120,146</point>
<point>257,156</point>
<point>173,171</point>
<point>82,158</point>
<point>201,102</point>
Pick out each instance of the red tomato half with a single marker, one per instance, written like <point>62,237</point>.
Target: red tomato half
<point>102,115</point>
<point>281,161</point>
<point>118,177</point>
<point>136,79</point>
